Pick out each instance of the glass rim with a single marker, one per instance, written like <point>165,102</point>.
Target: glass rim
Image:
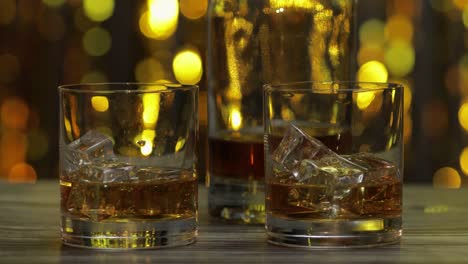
<point>288,86</point>
<point>90,88</point>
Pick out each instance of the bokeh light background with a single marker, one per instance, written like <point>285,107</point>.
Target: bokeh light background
<point>43,43</point>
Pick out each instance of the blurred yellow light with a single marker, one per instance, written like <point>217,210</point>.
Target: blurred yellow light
<point>151,109</point>
<point>370,225</point>
<point>94,77</point>
<point>399,27</point>
<point>22,173</point>
<point>160,22</point>
<point>14,113</point>
<point>465,16</point>
<point>365,99</point>
<point>436,209</point>
<point>145,141</point>
<point>408,98</point>
<point>302,4</point>
<point>464,161</point>
<point>38,144</point>
<point>460,4</point>
<point>9,68</point>
<point>235,119</point>
<point>180,144</point>
<point>53,3</point>
<point>97,41</point>
<point>7,11</point>
<point>193,9</point>
<point>372,32</point>
<point>151,103</point>
<point>447,177</point>
<point>13,145</point>
<point>463,116</point>
<point>149,70</point>
<point>68,128</point>
<point>372,71</point>
<point>187,66</point>
<point>400,58</point>
<point>98,10</point>
<point>370,52</point>
<point>286,113</point>
<point>100,103</point>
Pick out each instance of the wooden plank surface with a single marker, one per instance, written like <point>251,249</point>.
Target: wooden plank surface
<point>435,231</point>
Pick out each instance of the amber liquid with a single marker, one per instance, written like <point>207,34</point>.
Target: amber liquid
<point>236,171</point>
<point>159,210</point>
<point>136,201</point>
<point>237,158</point>
<point>379,199</point>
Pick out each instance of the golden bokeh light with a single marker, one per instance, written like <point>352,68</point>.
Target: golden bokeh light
<point>369,53</point>
<point>372,71</point>
<point>160,22</point>
<point>38,144</point>
<point>100,103</point>
<point>399,27</point>
<point>235,118</point>
<point>187,67</point>
<point>13,144</point>
<point>447,177</point>
<point>94,77</point>
<point>180,144</point>
<point>436,209</point>
<point>372,32</point>
<point>407,98</point>
<point>465,17</point>
<point>14,113</point>
<point>460,4</point>
<point>400,58</point>
<point>22,173</point>
<point>151,109</point>
<point>53,3</point>
<point>145,141</point>
<point>463,116</point>
<point>97,41</point>
<point>7,11</point>
<point>464,161</point>
<point>98,10</point>
<point>193,9</point>
<point>149,70</point>
<point>9,68</point>
<point>298,4</point>
<point>68,128</point>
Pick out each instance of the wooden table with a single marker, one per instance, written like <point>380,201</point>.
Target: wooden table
<point>435,231</point>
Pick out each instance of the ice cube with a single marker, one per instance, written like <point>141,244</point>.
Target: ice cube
<point>108,172</point>
<point>309,161</point>
<point>91,146</point>
<point>380,191</point>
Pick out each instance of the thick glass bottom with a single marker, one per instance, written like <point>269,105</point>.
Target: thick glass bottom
<point>236,200</point>
<point>128,234</point>
<point>333,233</point>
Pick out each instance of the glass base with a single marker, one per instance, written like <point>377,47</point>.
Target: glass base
<point>128,234</point>
<point>333,233</point>
<point>236,201</point>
